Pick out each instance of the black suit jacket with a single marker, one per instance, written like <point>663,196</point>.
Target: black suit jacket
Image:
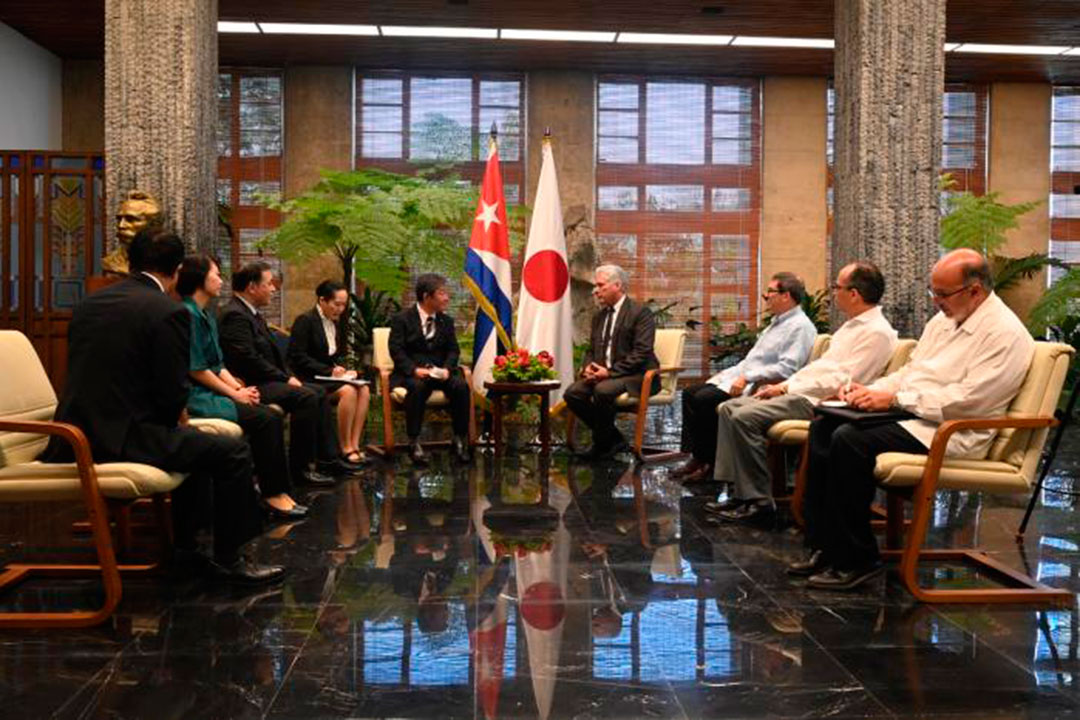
<point>409,349</point>
<point>632,341</point>
<point>249,348</point>
<point>309,353</point>
<point>127,381</point>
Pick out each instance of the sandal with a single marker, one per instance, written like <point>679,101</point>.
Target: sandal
<point>356,457</point>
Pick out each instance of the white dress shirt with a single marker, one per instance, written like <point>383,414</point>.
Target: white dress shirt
<point>249,306</point>
<point>330,330</point>
<point>423,321</point>
<point>156,281</point>
<point>611,340</point>
<point>781,349</point>
<point>971,370</point>
<point>859,351</point>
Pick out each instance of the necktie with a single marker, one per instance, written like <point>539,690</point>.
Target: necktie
<point>429,327</point>
<point>606,342</point>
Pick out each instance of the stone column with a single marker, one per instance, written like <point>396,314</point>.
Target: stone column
<point>161,109</point>
<point>889,80</point>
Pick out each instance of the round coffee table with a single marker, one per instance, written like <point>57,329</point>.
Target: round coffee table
<point>498,390</point>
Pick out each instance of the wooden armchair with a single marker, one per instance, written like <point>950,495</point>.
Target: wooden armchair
<point>668,346</point>
<point>1009,467</point>
<point>27,404</point>
<point>394,398</point>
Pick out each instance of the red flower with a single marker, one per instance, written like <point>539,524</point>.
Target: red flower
<point>545,358</point>
<point>500,362</point>
<point>523,356</point>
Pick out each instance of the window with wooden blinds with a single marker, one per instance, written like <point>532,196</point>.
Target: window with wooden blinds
<point>250,139</point>
<point>678,199</point>
<point>1065,178</point>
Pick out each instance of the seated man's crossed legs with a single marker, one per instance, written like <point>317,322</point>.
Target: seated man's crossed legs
<point>742,454</point>
<point>594,405</point>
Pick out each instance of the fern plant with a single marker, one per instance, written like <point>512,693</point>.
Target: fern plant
<point>981,222</point>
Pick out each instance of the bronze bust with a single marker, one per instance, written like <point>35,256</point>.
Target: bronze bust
<point>137,210</point>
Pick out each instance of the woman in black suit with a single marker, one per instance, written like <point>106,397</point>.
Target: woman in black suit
<point>315,348</point>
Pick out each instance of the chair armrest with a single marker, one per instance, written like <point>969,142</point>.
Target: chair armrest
<point>384,381</point>
<point>75,437</point>
<point>668,369</point>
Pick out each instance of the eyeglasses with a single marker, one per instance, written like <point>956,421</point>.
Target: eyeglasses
<point>938,295</point>
<point>838,286</point>
<point>771,291</point>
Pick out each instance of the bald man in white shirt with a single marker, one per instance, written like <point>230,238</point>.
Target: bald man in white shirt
<point>859,351</point>
<point>970,362</point>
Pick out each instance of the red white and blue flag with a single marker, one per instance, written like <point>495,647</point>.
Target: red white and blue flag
<point>544,316</point>
<point>487,273</point>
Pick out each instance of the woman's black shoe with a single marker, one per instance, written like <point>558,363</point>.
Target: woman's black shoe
<point>296,512</point>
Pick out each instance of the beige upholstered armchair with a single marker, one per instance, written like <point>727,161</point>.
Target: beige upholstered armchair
<point>668,346</point>
<point>1010,467</point>
<point>27,404</point>
<point>793,433</point>
<point>394,398</point>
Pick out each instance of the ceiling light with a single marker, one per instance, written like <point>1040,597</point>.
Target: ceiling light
<point>1013,49</point>
<point>949,47</point>
<point>227,26</point>
<point>751,41</point>
<point>674,39</point>
<point>317,29</point>
<point>565,35</point>
<point>444,32</point>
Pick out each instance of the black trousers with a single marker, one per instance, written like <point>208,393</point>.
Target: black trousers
<point>454,387</point>
<point>312,435</point>
<point>699,420</point>
<point>264,430</point>
<point>594,404</point>
<point>840,486</point>
<point>219,490</point>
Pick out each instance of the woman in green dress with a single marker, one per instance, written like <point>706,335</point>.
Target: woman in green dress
<point>215,392</point>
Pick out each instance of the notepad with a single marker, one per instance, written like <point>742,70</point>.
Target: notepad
<point>351,381</point>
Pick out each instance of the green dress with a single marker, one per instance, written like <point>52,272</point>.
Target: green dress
<point>206,355</point>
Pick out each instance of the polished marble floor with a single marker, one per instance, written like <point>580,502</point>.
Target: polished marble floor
<point>535,586</point>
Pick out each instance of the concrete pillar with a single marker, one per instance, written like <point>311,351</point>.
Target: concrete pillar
<point>889,79</point>
<point>161,108</point>
<point>1020,171</point>
<point>793,213</point>
<point>318,135</point>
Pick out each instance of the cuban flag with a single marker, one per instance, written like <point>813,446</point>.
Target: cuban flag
<point>487,273</point>
<point>544,314</point>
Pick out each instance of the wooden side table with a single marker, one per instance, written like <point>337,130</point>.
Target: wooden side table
<point>498,390</point>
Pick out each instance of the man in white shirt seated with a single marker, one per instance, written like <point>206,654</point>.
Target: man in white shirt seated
<point>970,362</point>
<point>859,352</point>
<point>781,349</point>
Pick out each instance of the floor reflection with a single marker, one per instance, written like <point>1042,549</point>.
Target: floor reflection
<point>531,585</point>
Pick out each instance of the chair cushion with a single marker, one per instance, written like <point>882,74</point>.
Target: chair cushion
<point>626,400</point>
<point>217,426</point>
<point>789,432</point>
<point>36,481</point>
<point>437,398</point>
<point>894,469</point>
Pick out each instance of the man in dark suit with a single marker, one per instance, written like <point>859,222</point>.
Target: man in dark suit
<point>424,348</point>
<point>127,388</point>
<point>251,354</point>
<point>620,351</point>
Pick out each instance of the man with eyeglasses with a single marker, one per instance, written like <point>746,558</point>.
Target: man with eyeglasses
<point>781,349</point>
<point>970,361</point>
<point>859,352</point>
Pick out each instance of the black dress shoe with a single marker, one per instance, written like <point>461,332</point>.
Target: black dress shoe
<point>243,571</point>
<point>833,579</point>
<point>315,479</point>
<point>812,564</point>
<point>730,504</point>
<point>756,514</point>
<point>461,450</point>
<point>296,512</point>
<point>417,454</point>
<point>336,467</point>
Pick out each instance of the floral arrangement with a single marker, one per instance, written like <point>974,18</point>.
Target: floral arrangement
<point>519,366</point>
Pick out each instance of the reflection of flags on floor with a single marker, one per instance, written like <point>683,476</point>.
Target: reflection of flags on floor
<point>487,273</point>
<point>544,317</point>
